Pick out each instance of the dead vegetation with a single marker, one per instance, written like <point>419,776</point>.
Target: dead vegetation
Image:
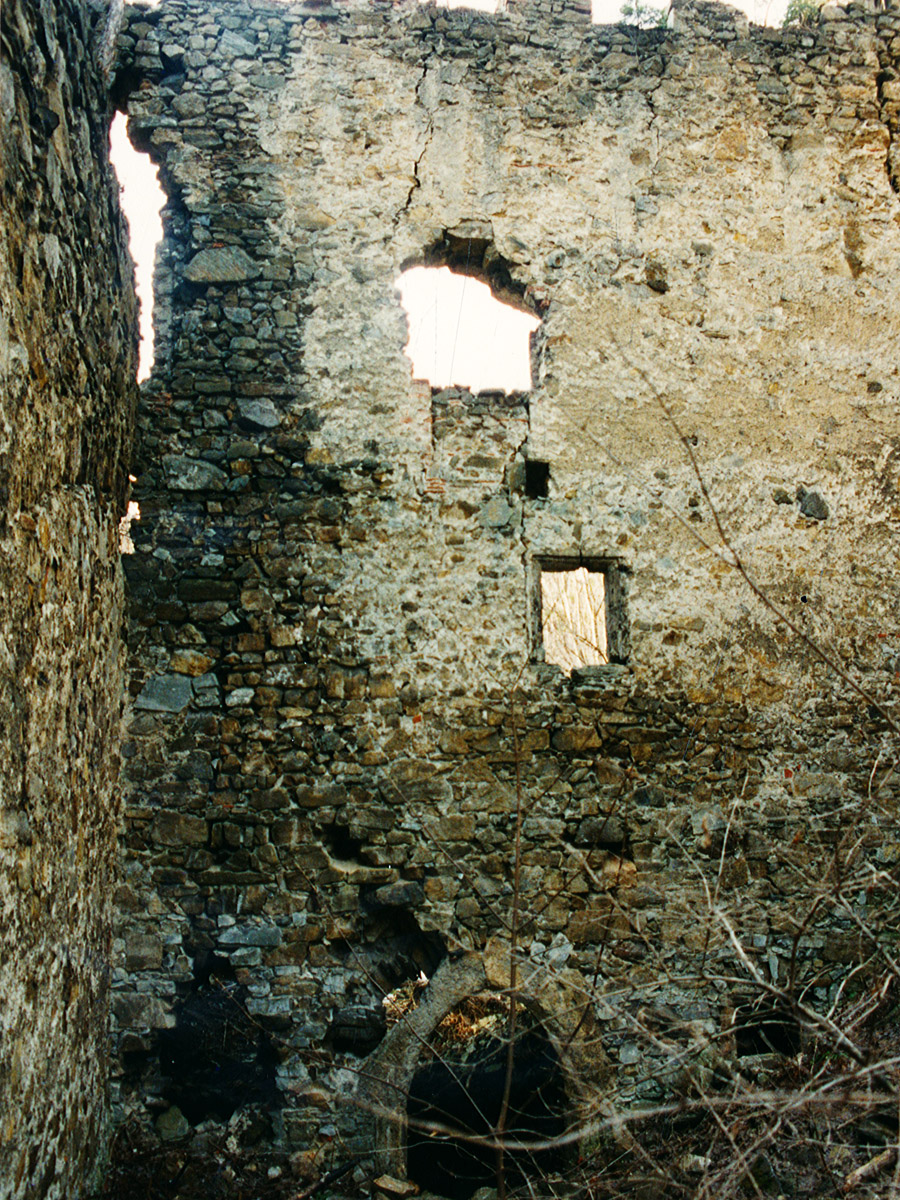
<point>216,1165</point>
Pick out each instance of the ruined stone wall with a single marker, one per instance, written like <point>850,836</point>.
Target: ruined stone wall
<point>67,392</point>
<point>339,698</point>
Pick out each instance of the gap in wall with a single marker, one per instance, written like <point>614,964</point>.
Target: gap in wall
<point>461,335</point>
<point>142,199</point>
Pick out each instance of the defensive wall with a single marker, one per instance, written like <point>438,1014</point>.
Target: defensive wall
<point>68,359</point>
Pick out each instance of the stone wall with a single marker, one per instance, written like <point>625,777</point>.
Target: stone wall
<point>341,714</point>
<point>67,394</point>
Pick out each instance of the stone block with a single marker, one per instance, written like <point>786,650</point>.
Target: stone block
<point>165,693</point>
<point>250,935</point>
<point>192,474</point>
<point>221,264</point>
<point>579,739</point>
<point>590,925</point>
<point>143,951</point>
<point>178,829</point>
<point>258,414</point>
<point>496,513</point>
<point>453,828</point>
<point>172,1125</point>
<point>400,895</point>
<point>190,662</point>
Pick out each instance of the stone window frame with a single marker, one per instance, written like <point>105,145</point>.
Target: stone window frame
<point>615,573</point>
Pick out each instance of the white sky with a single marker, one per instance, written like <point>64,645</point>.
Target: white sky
<point>458,332</point>
<point>429,296</point>
<point>142,198</point>
<point>763,12</point>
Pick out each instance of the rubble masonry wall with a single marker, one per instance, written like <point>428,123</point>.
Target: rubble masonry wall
<point>338,696</point>
<point>67,394</point>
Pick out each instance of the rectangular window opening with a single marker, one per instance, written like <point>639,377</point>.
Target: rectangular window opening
<point>580,613</point>
<point>537,479</point>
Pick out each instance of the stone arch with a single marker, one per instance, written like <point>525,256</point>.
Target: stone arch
<point>470,248</point>
<point>557,998</point>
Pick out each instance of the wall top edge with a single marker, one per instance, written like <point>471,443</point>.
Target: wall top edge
<point>700,16</point>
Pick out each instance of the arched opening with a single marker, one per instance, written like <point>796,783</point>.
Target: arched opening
<point>142,199</point>
<point>764,1026</point>
<point>465,1079</point>
<point>217,1058</point>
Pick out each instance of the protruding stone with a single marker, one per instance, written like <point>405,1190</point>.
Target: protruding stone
<point>232,45</point>
<point>400,895</point>
<point>251,935</point>
<point>165,693</point>
<point>143,951</point>
<point>656,276</point>
<point>192,474</point>
<point>258,414</point>
<point>190,662</point>
<point>496,513</point>
<point>189,105</point>
<point>396,1189</point>
<point>601,831</point>
<point>221,264</point>
<point>813,506</point>
<point>206,690</point>
<point>178,829</point>
<point>172,1125</point>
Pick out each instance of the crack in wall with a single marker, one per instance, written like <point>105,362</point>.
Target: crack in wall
<point>429,136</point>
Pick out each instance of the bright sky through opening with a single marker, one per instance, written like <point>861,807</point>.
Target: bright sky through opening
<point>141,199</point>
<point>460,334</point>
<point>608,12</point>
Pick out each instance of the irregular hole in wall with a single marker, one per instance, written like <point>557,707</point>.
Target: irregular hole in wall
<point>217,1058</point>
<point>764,1027</point>
<point>135,1052</point>
<point>132,513</point>
<point>398,948</point>
<point>469,325</point>
<point>142,199</point>
<point>460,1084</point>
<point>469,249</point>
<point>341,844</point>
